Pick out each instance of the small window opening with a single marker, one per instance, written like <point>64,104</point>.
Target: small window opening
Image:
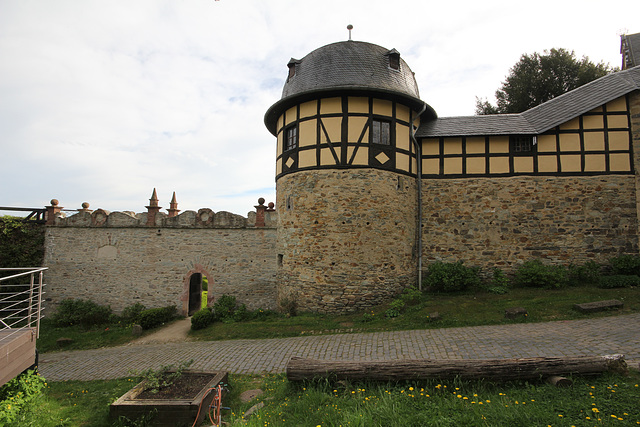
<point>291,138</point>
<point>522,143</point>
<point>380,132</point>
<point>280,258</point>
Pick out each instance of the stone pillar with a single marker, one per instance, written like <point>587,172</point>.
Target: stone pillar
<point>260,210</point>
<point>173,206</point>
<point>152,209</point>
<point>52,211</point>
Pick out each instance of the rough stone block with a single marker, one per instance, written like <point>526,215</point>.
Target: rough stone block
<point>515,312</point>
<point>592,307</point>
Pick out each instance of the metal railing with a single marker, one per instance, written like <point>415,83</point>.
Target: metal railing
<point>21,303</point>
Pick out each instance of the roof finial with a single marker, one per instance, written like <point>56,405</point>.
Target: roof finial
<point>349,27</point>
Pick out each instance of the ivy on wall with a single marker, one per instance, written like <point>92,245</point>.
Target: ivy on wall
<point>21,243</point>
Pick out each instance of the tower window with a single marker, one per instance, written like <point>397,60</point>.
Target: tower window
<point>521,144</point>
<point>380,132</point>
<point>291,138</point>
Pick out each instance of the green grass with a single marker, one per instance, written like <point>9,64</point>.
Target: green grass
<point>466,309</point>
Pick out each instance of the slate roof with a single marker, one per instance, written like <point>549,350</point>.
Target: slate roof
<point>348,67</point>
<point>630,43</point>
<point>541,118</point>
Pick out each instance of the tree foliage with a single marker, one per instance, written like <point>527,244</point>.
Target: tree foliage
<point>537,78</point>
<point>21,243</point>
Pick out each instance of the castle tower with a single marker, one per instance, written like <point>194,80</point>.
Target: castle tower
<point>346,177</point>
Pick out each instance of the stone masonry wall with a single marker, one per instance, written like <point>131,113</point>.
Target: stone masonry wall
<point>506,221</point>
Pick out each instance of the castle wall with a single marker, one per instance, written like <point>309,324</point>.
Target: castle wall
<point>114,260</point>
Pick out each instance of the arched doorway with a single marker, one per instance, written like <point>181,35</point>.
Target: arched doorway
<point>195,293</point>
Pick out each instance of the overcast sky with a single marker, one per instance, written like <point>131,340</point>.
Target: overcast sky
<point>102,101</point>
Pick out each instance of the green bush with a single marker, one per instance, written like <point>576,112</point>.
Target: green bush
<point>241,313</point>
<point>411,296</point>
<point>224,307</point>
<point>619,281</point>
<point>535,274</point>
<point>131,314</point>
<point>499,283</point>
<point>288,305</point>
<point>155,317</point>
<point>451,277</point>
<point>587,273</point>
<point>81,312</point>
<point>262,314</point>
<point>395,308</point>
<point>626,265</point>
<point>202,318</point>
<point>17,394</point>
<point>21,243</point>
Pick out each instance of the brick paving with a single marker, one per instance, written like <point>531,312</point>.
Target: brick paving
<point>607,335</point>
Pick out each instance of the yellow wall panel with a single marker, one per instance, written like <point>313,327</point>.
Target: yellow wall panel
<point>570,163</point>
<point>476,165</point>
<point>279,148</point>
<point>571,124</point>
<point>475,145</point>
<point>619,162</point>
<point>330,105</point>
<point>499,144</point>
<point>306,158</point>
<point>593,141</point>
<point>617,122</point>
<point>523,164</point>
<point>402,113</point>
<point>358,104</point>
<point>430,146</point>
<point>308,133</point>
<point>499,165</point>
<point>356,125</point>
<point>452,165</point>
<point>596,110</point>
<point>326,158</point>
<point>280,119</point>
<point>278,166</point>
<point>308,109</point>
<point>569,142</point>
<point>592,122</point>
<point>547,164</point>
<point>619,104</point>
<point>333,126</point>
<point>362,155</point>
<point>595,163</point>
<point>403,140</point>
<point>382,107</point>
<point>430,166</point>
<point>291,114</point>
<point>618,140</point>
<point>453,146</point>
<point>402,162</point>
<point>546,143</point>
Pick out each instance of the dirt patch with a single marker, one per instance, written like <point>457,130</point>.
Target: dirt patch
<point>177,331</point>
<point>187,386</point>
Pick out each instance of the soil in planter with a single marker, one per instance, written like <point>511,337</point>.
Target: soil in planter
<point>187,386</point>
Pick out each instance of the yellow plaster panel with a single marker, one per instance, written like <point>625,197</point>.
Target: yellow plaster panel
<point>308,133</point>
<point>403,140</point>
<point>382,107</point>
<point>570,163</point>
<point>291,114</point>
<point>546,143</point>
<point>280,119</point>
<point>452,165</point>
<point>308,109</point>
<point>547,164</point>
<point>617,122</point>
<point>569,142</point>
<point>356,125</point>
<point>475,145</point>
<point>594,163</point>
<point>571,124</point>
<point>499,165</point>
<point>362,155</point>
<point>476,165</point>
<point>330,105</point>
<point>402,162</point>
<point>326,158</point>
<point>592,122</point>
<point>523,164</point>
<point>431,166</point>
<point>278,166</point>
<point>619,104</point>
<point>593,141</point>
<point>279,148</point>
<point>596,110</point>
<point>619,162</point>
<point>333,125</point>
<point>358,104</point>
<point>618,140</point>
<point>414,164</point>
<point>430,146</point>
<point>306,158</point>
<point>498,144</point>
<point>453,146</point>
<point>402,113</point>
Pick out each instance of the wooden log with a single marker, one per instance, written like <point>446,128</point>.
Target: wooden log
<point>559,381</point>
<point>494,369</point>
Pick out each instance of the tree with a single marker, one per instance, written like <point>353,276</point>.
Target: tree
<point>538,78</point>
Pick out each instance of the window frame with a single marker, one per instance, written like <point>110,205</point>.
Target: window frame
<point>287,138</point>
<point>522,145</point>
<point>377,122</point>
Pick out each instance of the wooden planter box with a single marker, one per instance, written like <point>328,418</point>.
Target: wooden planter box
<point>170,412</point>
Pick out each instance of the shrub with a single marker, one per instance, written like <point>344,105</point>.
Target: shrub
<point>411,296</point>
<point>619,281</point>
<point>626,265</point>
<point>224,307</point>
<point>587,273</point>
<point>262,314</point>
<point>535,274</point>
<point>155,317</point>
<point>241,313</point>
<point>288,305</point>
<point>499,283</point>
<point>202,318</point>
<point>81,312</point>
<point>131,314</point>
<point>17,394</point>
<point>395,308</point>
<point>451,277</point>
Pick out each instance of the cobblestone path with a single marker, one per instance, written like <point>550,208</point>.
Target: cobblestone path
<point>607,335</point>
